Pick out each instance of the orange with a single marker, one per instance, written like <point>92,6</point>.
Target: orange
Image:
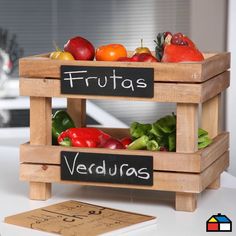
<point>110,52</point>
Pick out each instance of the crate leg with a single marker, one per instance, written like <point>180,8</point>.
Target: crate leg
<point>40,121</point>
<point>186,142</point>
<point>77,110</point>
<point>211,116</point>
<point>215,184</point>
<point>39,191</point>
<point>40,134</point>
<point>211,121</point>
<point>185,201</point>
<point>187,128</point>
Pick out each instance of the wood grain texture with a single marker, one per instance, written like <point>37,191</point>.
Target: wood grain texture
<point>168,161</point>
<point>39,191</point>
<point>163,92</point>
<point>186,128</point>
<point>40,134</point>
<point>219,146</point>
<point>209,175</point>
<point>215,184</point>
<point>186,142</point>
<point>215,63</point>
<point>40,120</point>
<point>166,181</point>
<point>161,160</point>
<point>77,111</point>
<point>211,117</point>
<point>185,201</point>
<point>212,122</point>
<point>214,86</point>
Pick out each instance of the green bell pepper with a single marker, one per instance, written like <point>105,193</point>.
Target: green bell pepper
<point>61,121</point>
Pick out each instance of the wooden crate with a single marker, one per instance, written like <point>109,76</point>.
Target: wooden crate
<point>196,88</point>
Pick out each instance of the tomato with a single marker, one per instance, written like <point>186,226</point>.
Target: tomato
<point>110,52</point>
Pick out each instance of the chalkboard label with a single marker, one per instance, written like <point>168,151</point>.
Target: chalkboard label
<point>107,168</point>
<point>107,81</point>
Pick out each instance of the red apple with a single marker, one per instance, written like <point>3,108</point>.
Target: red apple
<point>144,57</point>
<point>80,48</point>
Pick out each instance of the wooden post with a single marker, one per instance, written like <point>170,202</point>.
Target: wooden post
<point>212,122</point>
<point>186,142</point>
<point>40,134</point>
<point>185,201</point>
<point>77,110</point>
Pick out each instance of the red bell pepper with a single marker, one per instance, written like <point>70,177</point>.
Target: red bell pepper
<point>82,137</point>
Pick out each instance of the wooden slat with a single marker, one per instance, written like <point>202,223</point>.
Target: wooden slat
<point>219,146</point>
<point>161,160</point>
<point>163,92</point>
<point>215,64</point>
<point>209,175</point>
<point>117,132</point>
<point>165,181</point>
<point>214,86</point>
<point>42,67</point>
<point>77,111</point>
<point>168,161</point>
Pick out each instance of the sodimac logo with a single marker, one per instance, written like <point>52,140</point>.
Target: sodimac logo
<point>219,223</point>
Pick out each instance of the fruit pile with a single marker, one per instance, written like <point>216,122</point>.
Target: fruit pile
<point>169,48</point>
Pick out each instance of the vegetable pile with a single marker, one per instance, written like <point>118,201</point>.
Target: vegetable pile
<point>161,135</point>
<point>154,137</point>
<point>158,136</point>
<point>169,48</point>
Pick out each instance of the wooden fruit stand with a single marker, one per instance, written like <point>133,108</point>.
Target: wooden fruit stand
<point>196,88</point>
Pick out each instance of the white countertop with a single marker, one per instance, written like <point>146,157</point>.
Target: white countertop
<point>14,199</point>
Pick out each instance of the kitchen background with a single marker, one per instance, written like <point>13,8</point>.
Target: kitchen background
<point>38,23</point>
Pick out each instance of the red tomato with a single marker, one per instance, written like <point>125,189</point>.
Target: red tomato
<point>110,52</point>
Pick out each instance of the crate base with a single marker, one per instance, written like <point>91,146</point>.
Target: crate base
<point>183,201</point>
<point>185,185</point>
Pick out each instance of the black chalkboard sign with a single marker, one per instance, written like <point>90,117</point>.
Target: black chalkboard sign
<point>107,81</point>
<point>107,168</point>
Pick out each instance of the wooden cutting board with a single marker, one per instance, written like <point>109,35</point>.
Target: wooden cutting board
<point>73,218</point>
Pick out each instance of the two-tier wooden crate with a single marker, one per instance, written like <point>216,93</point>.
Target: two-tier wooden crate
<point>196,88</point>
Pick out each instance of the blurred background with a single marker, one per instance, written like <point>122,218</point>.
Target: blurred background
<point>36,24</point>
